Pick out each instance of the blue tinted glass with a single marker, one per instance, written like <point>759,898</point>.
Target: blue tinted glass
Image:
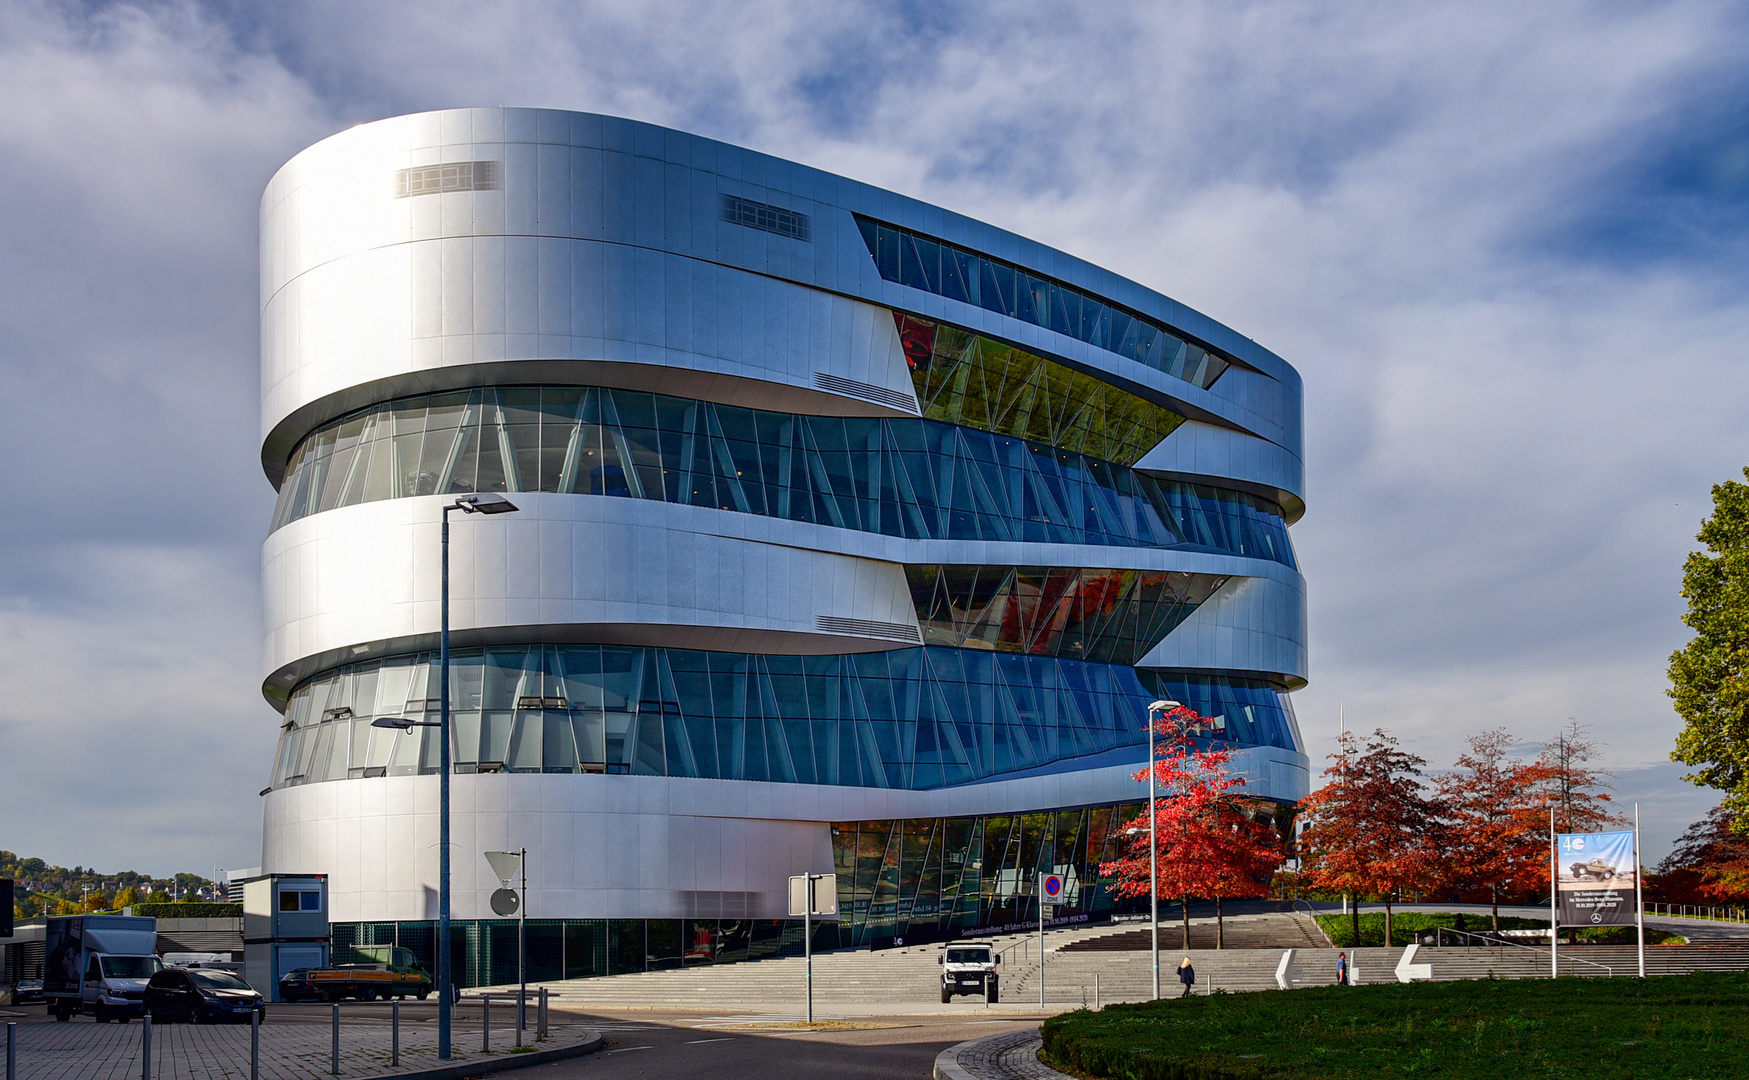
<point>998,286</point>
<point>920,479</point>
<point>917,718</point>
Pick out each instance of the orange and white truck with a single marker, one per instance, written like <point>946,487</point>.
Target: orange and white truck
<point>385,972</point>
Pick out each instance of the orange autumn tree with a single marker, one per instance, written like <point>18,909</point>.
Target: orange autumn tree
<point>1209,841</point>
<point>1372,830</point>
<point>1710,863</point>
<point>1498,818</point>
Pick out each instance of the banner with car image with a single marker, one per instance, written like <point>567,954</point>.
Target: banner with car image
<point>1595,878</point>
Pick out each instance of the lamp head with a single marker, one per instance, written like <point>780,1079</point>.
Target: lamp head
<point>1163,706</point>
<point>399,723</point>
<point>485,503</point>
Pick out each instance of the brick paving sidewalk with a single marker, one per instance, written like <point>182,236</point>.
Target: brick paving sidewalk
<point>83,1051</point>
<point>1010,1056</point>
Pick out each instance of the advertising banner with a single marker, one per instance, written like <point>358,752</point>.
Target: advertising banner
<point>1594,883</point>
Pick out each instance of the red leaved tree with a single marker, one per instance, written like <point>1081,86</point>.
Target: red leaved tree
<point>1709,863</point>
<point>1497,818</point>
<point>1372,829</point>
<point>1210,842</point>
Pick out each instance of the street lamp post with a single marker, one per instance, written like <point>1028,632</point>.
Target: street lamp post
<point>1161,707</point>
<point>468,504</point>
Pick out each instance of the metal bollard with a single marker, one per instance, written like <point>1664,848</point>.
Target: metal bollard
<point>334,1052</point>
<point>1096,993</point>
<point>11,1052</point>
<point>519,1017</point>
<point>541,1016</point>
<point>486,1023</point>
<point>146,1048</point>
<point>395,1033</point>
<point>254,1044</point>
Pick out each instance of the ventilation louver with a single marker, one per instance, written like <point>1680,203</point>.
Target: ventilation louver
<point>767,218</point>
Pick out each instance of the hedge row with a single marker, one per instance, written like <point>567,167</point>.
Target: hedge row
<point>200,910</point>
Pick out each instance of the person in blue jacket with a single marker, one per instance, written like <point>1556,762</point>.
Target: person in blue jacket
<point>1187,976</point>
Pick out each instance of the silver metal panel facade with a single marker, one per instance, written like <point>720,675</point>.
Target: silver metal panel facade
<point>578,250</point>
<point>631,847</point>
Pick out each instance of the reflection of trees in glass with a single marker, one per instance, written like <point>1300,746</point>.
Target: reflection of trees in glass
<point>1107,615</point>
<point>966,378</point>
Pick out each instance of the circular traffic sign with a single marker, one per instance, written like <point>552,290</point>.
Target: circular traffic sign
<point>1053,886</point>
<point>504,902</point>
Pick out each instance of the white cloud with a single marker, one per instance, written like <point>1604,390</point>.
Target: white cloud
<point>1510,435</point>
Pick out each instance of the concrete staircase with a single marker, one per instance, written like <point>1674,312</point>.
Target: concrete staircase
<point>910,974</point>
<point>1071,975</point>
<point>1093,966</point>
<point>1267,931</point>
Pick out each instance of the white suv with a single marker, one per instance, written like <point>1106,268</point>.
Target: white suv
<point>969,967</point>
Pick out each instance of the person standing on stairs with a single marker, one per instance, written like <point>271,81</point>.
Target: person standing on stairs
<point>1187,976</point>
<point>1342,969</point>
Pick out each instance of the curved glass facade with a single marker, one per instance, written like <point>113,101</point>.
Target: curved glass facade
<point>979,382</point>
<point>1113,616</point>
<point>913,718</point>
<point>923,262</point>
<point>919,479</point>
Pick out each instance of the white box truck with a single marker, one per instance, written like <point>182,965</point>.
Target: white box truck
<point>99,964</point>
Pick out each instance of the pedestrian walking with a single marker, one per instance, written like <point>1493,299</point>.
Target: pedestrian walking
<point>1187,976</point>
<point>1342,969</point>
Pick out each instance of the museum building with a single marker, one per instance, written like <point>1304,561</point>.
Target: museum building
<point>852,535</point>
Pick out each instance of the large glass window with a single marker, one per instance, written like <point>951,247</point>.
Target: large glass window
<point>979,382</point>
<point>914,718</point>
<point>1113,616</point>
<point>920,479</point>
<point>922,262</point>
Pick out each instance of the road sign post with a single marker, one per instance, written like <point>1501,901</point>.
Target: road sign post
<point>811,895</point>
<point>506,864</point>
<point>1050,891</point>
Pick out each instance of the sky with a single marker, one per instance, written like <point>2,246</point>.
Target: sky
<point>1504,244</point>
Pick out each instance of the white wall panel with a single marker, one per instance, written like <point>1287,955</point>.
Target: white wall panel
<point>623,847</point>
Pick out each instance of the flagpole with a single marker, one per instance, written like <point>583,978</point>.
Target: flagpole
<point>1554,889</point>
<point>1639,903</point>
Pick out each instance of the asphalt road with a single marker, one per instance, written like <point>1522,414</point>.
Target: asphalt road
<point>681,1045</point>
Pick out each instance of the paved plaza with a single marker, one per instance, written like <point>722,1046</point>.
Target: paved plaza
<point>1011,1055</point>
<point>82,1050</point>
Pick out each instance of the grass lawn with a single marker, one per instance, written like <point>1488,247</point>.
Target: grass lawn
<point>1675,1027</point>
<point>1405,925</point>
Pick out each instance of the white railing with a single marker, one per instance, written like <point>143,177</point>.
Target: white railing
<point>1699,911</point>
<point>1568,956</point>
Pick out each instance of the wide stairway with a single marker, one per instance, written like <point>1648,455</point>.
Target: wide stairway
<point>1078,973</point>
<point>1267,931</point>
<point>1099,966</point>
<point>904,975</point>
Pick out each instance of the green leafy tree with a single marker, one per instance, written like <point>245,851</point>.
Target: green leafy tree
<point>1709,677</point>
<point>127,897</point>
